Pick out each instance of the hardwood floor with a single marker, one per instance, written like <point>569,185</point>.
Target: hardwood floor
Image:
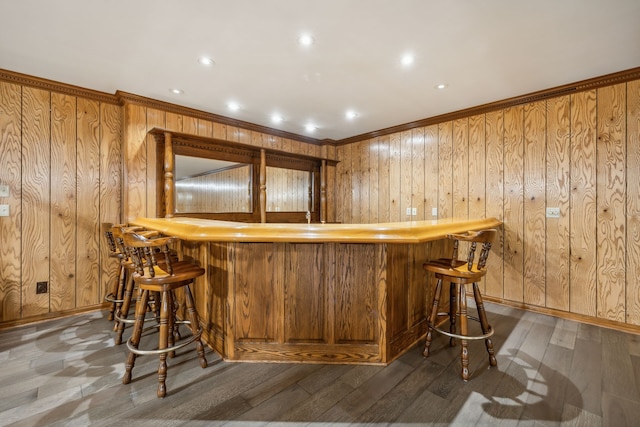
<point>550,372</point>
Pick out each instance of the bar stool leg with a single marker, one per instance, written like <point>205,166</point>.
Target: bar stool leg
<point>116,292</point>
<point>163,339</point>
<point>433,316</point>
<point>123,311</point>
<point>464,352</point>
<point>141,309</point>
<point>484,324</point>
<point>453,297</point>
<point>194,324</point>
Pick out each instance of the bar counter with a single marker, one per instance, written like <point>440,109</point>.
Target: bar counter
<point>312,293</point>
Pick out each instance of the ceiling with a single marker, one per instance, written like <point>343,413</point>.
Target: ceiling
<point>482,50</point>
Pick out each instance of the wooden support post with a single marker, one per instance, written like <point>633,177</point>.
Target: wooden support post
<point>169,182</point>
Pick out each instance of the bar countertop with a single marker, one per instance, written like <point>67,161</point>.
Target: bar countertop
<point>196,229</point>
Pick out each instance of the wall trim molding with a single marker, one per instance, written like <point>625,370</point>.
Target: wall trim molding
<point>584,85</point>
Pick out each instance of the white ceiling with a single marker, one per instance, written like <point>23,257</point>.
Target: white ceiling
<point>484,50</point>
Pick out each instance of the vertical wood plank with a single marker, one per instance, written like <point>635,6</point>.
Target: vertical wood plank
<point>331,186</point>
<point>534,202</point>
<point>431,167</point>
<point>110,193</point>
<point>189,125</point>
<point>494,136</point>
<point>10,175</point>
<point>395,164</point>
<point>460,168</point>
<point>205,128</point>
<point>582,296</point>
<point>477,173</point>
<point>384,183</point>
<point>63,202</point>
<point>558,190</point>
<point>417,175</point>
<point>374,176</point>
<point>445,170</point>
<point>406,171</point>
<point>633,202</point>
<point>174,122</point>
<point>513,203</point>
<point>36,182</point>
<point>357,182</point>
<point>88,290</point>
<point>343,170</point>
<point>365,186</point>
<point>135,158</point>
<point>611,201</point>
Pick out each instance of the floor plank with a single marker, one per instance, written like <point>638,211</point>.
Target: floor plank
<point>68,372</point>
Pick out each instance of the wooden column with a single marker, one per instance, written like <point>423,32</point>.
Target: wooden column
<point>323,191</point>
<point>263,185</point>
<point>169,184</point>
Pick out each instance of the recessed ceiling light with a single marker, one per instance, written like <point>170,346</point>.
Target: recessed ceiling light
<point>233,106</point>
<point>205,60</point>
<point>441,86</point>
<point>305,40</point>
<point>407,59</point>
<point>176,91</point>
<point>350,114</point>
<point>277,118</point>
<point>310,127</point>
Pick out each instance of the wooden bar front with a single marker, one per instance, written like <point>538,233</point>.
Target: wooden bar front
<point>329,293</point>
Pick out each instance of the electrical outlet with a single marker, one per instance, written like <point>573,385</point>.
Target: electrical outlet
<point>553,212</point>
<point>408,211</point>
<point>414,211</point>
<point>434,211</point>
<point>4,191</point>
<point>42,287</point>
<point>4,210</point>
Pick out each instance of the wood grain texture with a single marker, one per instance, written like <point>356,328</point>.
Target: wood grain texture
<point>384,184</point>
<point>535,133</point>
<point>477,173</point>
<point>431,165</point>
<point>155,118</point>
<point>63,202</point>
<point>10,227</point>
<point>88,236</point>
<point>205,128</point>
<point>460,169</point>
<point>633,203</point>
<point>611,201</point>
<point>445,170</point>
<point>513,204</point>
<point>583,204</point>
<point>111,178</point>
<point>374,180</point>
<point>494,135</point>
<point>417,173</point>
<point>365,178</point>
<point>36,175</point>
<point>357,183</point>
<point>395,176</point>
<point>406,171</point>
<point>558,189</point>
<point>135,161</point>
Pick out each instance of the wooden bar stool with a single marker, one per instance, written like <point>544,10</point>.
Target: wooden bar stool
<point>162,278</point>
<point>459,273</point>
<point>115,296</point>
<point>127,284</point>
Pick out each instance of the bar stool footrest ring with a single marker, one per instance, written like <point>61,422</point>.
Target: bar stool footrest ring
<point>463,337</point>
<point>185,342</point>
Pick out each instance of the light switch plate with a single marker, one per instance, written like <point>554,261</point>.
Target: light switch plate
<point>4,191</point>
<point>553,212</point>
<point>434,211</point>
<point>4,210</point>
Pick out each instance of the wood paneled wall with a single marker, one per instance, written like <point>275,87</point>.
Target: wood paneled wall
<point>578,152</point>
<point>61,159</point>
<point>228,190</point>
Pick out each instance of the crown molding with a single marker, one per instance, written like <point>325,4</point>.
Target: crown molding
<point>584,85</point>
<point>26,80</point>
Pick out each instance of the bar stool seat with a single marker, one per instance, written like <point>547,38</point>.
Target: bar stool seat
<point>460,273</point>
<point>157,272</point>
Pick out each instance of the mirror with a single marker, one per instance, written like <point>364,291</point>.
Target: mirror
<point>212,186</point>
<point>289,190</point>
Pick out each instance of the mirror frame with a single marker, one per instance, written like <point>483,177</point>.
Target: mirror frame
<point>169,143</point>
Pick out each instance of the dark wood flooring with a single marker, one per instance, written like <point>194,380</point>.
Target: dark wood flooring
<point>67,372</point>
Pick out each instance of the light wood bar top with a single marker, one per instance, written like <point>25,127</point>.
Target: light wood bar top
<point>196,229</point>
